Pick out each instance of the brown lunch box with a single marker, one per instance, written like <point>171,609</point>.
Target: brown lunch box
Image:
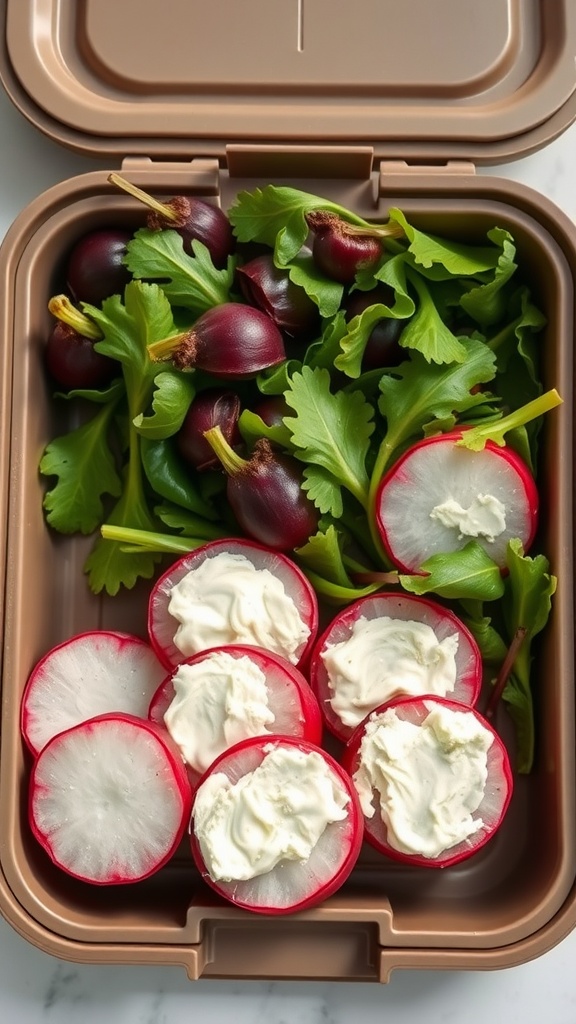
<point>359,103</point>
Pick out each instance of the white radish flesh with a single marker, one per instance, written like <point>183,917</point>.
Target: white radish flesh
<point>402,607</point>
<point>92,674</point>
<point>162,626</point>
<point>490,811</point>
<point>438,470</point>
<point>109,800</point>
<point>211,713</point>
<point>291,885</point>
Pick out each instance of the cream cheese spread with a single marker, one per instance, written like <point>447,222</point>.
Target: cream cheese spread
<point>430,778</point>
<point>227,600</point>
<point>217,702</point>
<point>485,517</point>
<point>277,812</point>
<point>384,658</point>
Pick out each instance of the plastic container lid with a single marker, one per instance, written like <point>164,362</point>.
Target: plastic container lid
<point>452,79</point>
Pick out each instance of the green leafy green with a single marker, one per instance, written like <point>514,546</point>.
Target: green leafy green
<point>330,431</point>
<point>189,281</point>
<point>427,333</point>
<point>276,216</point>
<point>528,592</point>
<point>86,470</point>
<point>461,575</point>
<point>173,393</point>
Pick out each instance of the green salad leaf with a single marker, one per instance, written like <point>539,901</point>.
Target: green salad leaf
<point>192,282</point>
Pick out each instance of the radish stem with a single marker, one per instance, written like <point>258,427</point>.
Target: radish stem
<point>61,307</point>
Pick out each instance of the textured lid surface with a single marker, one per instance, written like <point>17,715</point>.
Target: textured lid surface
<point>421,78</point>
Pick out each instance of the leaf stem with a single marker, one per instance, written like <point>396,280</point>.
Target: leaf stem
<point>505,670</point>
<point>151,541</point>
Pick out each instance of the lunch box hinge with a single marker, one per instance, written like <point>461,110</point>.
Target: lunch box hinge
<point>200,175</point>
<point>283,162</point>
<point>402,167</point>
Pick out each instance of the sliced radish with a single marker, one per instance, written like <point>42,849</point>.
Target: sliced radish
<point>228,694</point>
<point>388,645</point>
<point>245,593</point>
<point>277,825</point>
<point>110,799</point>
<point>89,675</point>
<point>434,780</point>
<point>439,496</point>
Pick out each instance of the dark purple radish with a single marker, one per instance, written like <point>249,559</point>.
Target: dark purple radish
<point>265,285</point>
<point>265,494</point>
<point>272,409</point>
<point>232,341</point>
<point>192,218</point>
<point>232,591</point>
<point>390,645</point>
<point>91,674</point>
<point>95,268</point>
<point>440,495</point>
<point>70,356</point>
<point>339,249</point>
<point>382,347</point>
<point>215,407</point>
<point>433,777</point>
<point>228,694</point>
<point>276,825</point>
<point>110,799</point>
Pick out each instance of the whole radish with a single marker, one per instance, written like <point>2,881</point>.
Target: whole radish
<point>266,495</point>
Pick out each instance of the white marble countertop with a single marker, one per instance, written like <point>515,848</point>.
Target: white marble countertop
<point>35,987</point>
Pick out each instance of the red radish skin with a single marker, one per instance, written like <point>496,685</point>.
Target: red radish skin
<point>436,469</point>
<point>110,800</point>
<point>290,887</point>
<point>404,607</point>
<point>162,626</point>
<point>91,674</point>
<point>290,699</point>
<point>492,810</point>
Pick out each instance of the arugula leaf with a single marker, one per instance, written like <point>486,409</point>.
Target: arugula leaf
<point>276,216</point>
<point>169,478</point>
<point>85,469</point>
<point>326,294</point>
<point>322,554</point>
<point>100,396</point>
<point>529,590</point>
<point>492,647</point>
<point>252,427</point>
<point>331,431</point>
<point>189,281</point>
<point>324,490</point>
<point>353,342</point>
<point>486,303</point>
<point>188,523</point>
<point>108,566</point>
<point>455,258</point>
<point>467,574</point>
<point>416,394</point>
<point>173,393</point>
<point>427,333</point>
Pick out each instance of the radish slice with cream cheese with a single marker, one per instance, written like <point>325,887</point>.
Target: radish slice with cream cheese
<point>388,645</point>
<point>91,674</point>
<point>110,799</point>
<point>434,780</point>
<point>440,495</point>
<point>232,591</point>
<point>276,825</point>
<point>228,694</point>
